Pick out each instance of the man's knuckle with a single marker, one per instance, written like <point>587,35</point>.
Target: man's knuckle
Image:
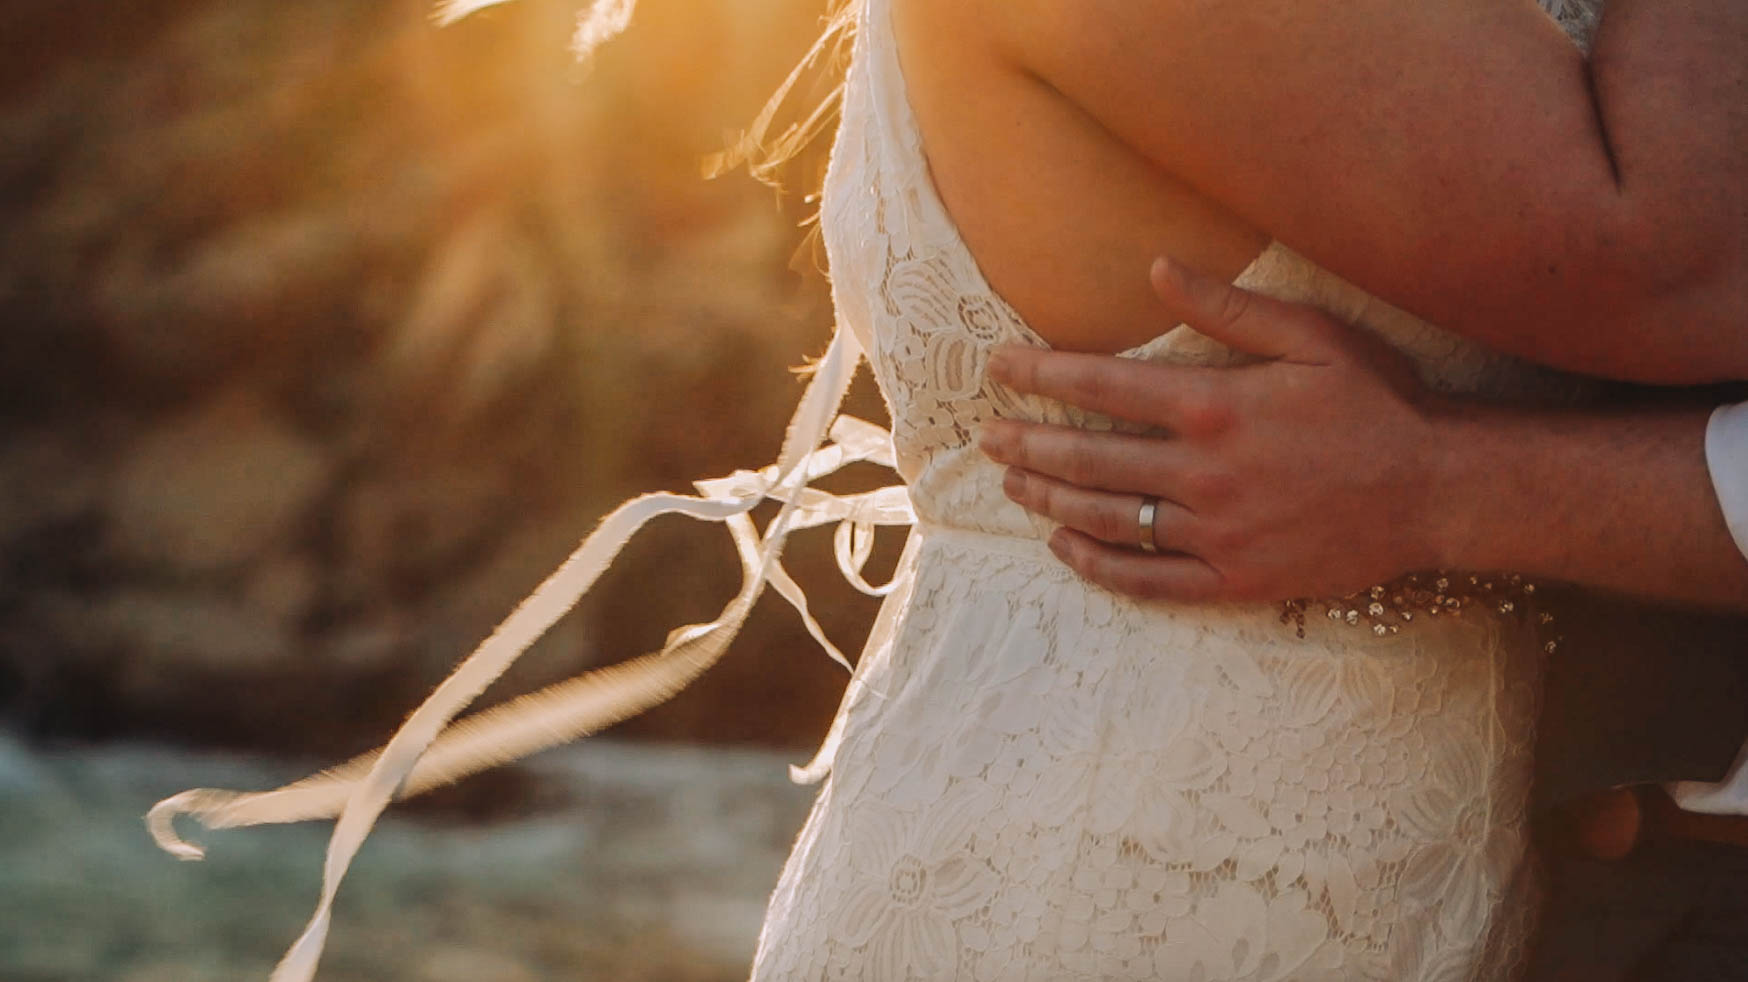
<point>1091,563</point>
<point>1207,484</point>
<point>1326,334</point>
<point>1205,412</point>
<point>1044,496</point>
<point>1234,304</point>
<point>1109,526</point>
<point>1086,385</point>
<point>1079,464</point>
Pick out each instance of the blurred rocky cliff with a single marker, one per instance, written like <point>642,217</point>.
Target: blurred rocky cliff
<point>325,333</point>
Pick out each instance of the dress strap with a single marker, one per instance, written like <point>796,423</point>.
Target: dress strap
<point>427,751</point>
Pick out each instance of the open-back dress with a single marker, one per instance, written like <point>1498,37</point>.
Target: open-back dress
<point>1034,778</point>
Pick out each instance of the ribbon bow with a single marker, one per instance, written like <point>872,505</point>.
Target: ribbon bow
<point>429,751</point>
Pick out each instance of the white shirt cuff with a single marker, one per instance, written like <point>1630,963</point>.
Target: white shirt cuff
<point>1727,797</point>
<point>1727,457</point>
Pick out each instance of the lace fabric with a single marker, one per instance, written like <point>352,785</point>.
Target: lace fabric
<point>1037,780</point>
<point>1034,778</point>
<point>1031,777</point>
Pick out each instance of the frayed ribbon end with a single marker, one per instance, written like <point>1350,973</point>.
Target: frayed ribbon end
<point>161,823</point>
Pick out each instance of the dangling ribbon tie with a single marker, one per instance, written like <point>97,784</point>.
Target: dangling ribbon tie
<point>428,752</point>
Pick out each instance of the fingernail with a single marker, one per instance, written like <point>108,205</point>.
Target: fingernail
<point>989,440</point>
<point>1165,272</point>
<point>1013,483</point>
<point>1058,543</point>
<point>1001,366</point>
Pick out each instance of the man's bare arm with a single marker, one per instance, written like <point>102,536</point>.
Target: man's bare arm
<point>1621,501</point>
<point>1326,469</point>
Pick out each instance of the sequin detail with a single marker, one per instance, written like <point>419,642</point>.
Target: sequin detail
<point>1386,609</point>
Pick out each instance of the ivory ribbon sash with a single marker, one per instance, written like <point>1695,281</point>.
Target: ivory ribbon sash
<point>429,751</point>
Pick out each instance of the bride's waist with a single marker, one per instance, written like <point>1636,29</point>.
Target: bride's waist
<point>957,492</point>
<point>1016,569</point>
<point>989,543</point>
<point>1025,544</point>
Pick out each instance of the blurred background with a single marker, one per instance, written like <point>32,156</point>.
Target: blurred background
<point>325,334</point>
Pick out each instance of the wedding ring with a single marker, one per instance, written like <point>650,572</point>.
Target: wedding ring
<point>1149,508</point>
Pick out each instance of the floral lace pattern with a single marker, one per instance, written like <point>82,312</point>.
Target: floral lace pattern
<point>1036,779</point>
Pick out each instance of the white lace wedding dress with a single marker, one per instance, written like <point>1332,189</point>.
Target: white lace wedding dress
<point>1033,778</point>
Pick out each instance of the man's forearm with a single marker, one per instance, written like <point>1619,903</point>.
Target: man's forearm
<point>1618,501</point>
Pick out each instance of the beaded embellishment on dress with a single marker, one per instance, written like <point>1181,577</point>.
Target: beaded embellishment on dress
<point>1031,777</point>
<point>1034,778</point>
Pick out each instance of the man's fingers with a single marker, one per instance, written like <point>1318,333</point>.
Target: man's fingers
<point>1236,317</point>
<point>1137,574</point>
<point>1103,461</point>
<point>1171,396</point>
<point>1112,518</point>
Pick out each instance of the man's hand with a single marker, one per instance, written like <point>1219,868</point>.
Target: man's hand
<point>1325,468</point>
<point>1305,474</point>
